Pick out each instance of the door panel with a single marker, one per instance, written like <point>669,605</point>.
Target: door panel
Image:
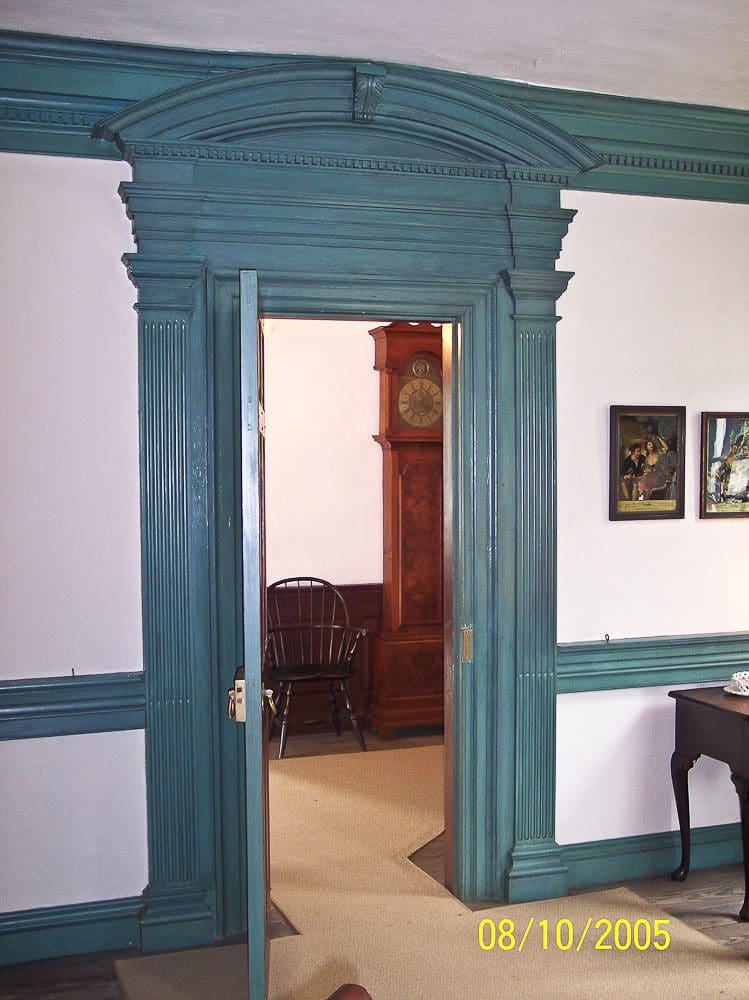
<point>253,599</point>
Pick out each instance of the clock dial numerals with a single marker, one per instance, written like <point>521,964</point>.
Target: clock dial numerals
<point>420,402</point>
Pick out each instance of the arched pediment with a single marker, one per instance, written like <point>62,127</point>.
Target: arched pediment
<point>343,108</point>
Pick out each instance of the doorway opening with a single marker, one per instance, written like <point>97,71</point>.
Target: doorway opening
<point>332,492</point>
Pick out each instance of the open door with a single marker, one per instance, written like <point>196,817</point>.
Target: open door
<point>253,597</point>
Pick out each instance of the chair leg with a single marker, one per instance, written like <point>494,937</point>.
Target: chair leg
<point>335,718</point>
<point>285,721</point>
<point>352,716</point>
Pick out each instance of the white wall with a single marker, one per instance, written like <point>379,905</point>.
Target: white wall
<point>73,808</point>
<point>74,822</point>
<point>656,314</point>
<point>613,768</point>
<point>323,484</point>
<point>69,529</point>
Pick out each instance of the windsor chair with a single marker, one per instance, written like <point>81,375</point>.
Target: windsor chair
<point>310,638</point>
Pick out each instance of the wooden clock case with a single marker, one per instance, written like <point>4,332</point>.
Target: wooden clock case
<point>408,677</point>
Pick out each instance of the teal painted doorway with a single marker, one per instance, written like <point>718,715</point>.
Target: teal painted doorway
<point>443,205</point>
<point>237,881</point>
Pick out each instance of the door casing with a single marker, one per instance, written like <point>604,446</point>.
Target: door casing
<point>454,218</point>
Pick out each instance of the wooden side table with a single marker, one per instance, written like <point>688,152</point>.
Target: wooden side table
<point>711,722</point>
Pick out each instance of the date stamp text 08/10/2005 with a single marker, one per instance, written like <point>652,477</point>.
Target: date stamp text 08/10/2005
<point>601,935</point>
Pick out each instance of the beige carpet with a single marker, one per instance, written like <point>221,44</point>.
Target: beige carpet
<point>342,828</point>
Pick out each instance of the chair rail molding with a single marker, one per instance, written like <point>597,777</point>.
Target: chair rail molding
<point>650,662</point>
<point>67,706</point>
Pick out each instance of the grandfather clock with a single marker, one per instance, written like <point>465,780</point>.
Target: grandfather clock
<point>408,676</point>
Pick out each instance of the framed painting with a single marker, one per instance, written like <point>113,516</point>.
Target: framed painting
<point>646,462</point>
<point>724,465</point>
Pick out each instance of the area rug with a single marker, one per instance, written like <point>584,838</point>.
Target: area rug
<point>342,828</point>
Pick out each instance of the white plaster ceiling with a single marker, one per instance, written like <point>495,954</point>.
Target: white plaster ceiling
<point>696,51</point>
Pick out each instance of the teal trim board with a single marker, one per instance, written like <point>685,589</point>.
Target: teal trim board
<point>650,662</point>
<point>51,932</point>
<point>54,90</point>
<point>66,706</point>
<point>654,854</point>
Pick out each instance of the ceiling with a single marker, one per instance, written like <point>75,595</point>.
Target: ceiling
<point>696,51</point>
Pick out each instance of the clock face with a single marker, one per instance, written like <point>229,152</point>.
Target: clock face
<point>420,394</point>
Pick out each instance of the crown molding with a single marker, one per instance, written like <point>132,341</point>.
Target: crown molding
<point>679,164</point>
<point>644,146</point>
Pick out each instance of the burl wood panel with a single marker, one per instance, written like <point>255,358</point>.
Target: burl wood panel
<point>413,668</point>
<point>420,564</point>
<point>408,687</point>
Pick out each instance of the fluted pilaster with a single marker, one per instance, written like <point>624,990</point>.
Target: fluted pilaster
<point>537,868</point>
<point>172,422</point>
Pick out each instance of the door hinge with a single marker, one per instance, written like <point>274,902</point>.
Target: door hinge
<point>466,644</point>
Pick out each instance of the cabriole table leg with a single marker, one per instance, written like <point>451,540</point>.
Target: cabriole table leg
<point>680,767</point>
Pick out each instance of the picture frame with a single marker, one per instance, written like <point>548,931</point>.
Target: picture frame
<point>646,462</point>
<point>724,464</point>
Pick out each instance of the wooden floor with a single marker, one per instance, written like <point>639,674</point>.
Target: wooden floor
<point>709,900</point>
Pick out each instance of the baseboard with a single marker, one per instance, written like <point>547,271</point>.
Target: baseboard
<point>176,916</point>
<point>54,931</point>
<point>537,871</point>
<point>599,861</point>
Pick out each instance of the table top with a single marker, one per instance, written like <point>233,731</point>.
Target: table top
<point>714,697</point>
